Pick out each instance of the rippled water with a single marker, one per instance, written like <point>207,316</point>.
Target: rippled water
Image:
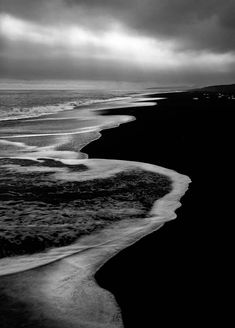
<point>48,197</point>
<point>58,123</point>
<point>18,104</point>
<point>49,203</point>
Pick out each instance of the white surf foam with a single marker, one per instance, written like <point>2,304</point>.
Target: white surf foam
<point>121,233</point>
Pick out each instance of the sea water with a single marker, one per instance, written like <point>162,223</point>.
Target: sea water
<point>43,128</point>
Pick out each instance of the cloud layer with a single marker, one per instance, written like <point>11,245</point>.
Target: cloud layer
<point>180,41</point>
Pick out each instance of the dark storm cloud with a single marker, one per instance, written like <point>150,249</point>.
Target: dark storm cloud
<point>169,41</point>
<point>195,24</point>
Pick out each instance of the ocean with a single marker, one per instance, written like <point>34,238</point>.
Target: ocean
<point>57,119</point>
<point>64,214</point>
<point>46,180</point>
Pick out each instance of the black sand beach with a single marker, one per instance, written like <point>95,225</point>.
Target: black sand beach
<point>116,163</point>
<point>166,278</point>
<point>158,280</point>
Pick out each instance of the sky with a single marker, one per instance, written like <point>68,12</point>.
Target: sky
<point>164,41</point>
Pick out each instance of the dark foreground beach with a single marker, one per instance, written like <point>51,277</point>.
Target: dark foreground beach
<point>173,276</point>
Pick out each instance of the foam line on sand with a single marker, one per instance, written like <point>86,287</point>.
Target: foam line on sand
<point>64,293</point>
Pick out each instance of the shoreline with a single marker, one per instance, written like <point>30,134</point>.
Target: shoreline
<point>164,206</point>
<point>59,281</point>
<point>85,120</point>
<point>59,271</point>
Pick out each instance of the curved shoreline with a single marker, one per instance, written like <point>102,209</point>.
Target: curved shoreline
<point>54,285</point>
<point>86,120</point>
<point>26,262</point>
<point>63,291</point>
